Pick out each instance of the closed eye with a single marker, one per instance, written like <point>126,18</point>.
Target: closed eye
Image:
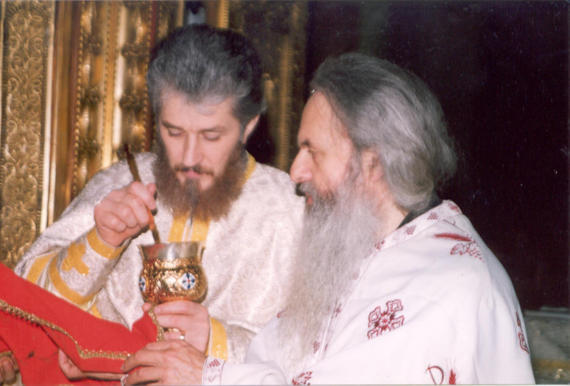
<point>211,135</point>
<point>174,132</point>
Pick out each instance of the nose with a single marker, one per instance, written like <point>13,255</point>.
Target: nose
<point>191,153</point>
<point>300,169</point>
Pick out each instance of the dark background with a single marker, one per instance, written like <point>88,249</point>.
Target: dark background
<point>500,70</point>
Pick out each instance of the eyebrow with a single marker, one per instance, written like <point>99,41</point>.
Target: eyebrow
<point>169,125</point>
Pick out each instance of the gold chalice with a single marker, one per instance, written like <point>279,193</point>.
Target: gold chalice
<point>173,271</point>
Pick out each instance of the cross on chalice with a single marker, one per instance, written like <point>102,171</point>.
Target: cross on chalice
<point>172,271</point>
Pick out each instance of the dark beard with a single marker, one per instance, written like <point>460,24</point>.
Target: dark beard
<point>211,204</point>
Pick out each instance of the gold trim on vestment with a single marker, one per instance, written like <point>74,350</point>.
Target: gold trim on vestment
<point>95,312</point>
<point>101,247</point>
<point>218,346</point>
<point>249,168</point>
<point>83,352</point>
<point>38,267</point>
<point>75,253</point>
<point>63,289</point>
<point>177,229</point>
<point>199,230</point>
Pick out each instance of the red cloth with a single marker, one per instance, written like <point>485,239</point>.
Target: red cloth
<point>93,344</point>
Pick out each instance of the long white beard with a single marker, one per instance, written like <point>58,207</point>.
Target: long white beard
<point>338,234</point>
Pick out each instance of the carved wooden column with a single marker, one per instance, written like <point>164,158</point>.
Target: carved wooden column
<point>27,30</point>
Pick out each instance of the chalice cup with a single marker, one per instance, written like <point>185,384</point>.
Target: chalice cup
<point>172,271</point>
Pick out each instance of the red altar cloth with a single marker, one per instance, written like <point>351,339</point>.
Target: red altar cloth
<point>35,324</point>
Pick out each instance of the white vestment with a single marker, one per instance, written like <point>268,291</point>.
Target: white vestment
<point>247,258</point>
<point>432,304</point>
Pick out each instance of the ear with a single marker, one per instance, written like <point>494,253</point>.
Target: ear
<point>250,127</point>
<point>371,167</point>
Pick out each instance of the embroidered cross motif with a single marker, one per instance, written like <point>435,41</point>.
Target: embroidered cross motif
<point>380,321</point>
<point>303,378</point>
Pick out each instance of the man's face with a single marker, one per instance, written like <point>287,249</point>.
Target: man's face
<point>324,150</point>
<point>199,138</point>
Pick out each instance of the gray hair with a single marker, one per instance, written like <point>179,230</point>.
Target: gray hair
<point>206,62</point>
<point>392,112</point>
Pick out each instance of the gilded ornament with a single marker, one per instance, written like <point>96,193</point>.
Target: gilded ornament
<point>173,271</point>
<point>24,63</point>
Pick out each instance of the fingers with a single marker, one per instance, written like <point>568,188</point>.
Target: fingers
<point>174,334</point>
<point>151,355</point>
<point>182,307</point>
<point>69,368</point>
<point>145,375</point>
<point>124,212</point>
<point>7,370</point>
<point>191,319</point>
<point>166,362</point>
<point>182,315</point>
<point>146,307</point>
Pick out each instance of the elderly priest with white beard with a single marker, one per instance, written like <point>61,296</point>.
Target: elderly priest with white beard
<point>393,285</point>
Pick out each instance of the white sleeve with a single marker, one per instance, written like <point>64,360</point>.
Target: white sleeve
<point>260,367</point>
<point>218,372</point>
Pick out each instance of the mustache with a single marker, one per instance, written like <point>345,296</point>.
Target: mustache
<point>196,169</point>
<point>300,190</point>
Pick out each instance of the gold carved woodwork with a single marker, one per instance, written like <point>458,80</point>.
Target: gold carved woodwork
<point>73,90</point>
<point>27,30</point>
<point>277,30</point>
<point>111,105</point>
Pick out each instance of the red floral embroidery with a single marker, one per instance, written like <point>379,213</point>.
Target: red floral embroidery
<point>382,321</point>
<point>467,246</point>
<point>452,378</point>
<point>520,334</point>
<point>215,362</point>
<point>470,249</point>
<point>303,378</point>
<point>410,230</point>
<point>454,207</point>
<point>433,216</point>
<point>438,375</point>
<point>213,370</point>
